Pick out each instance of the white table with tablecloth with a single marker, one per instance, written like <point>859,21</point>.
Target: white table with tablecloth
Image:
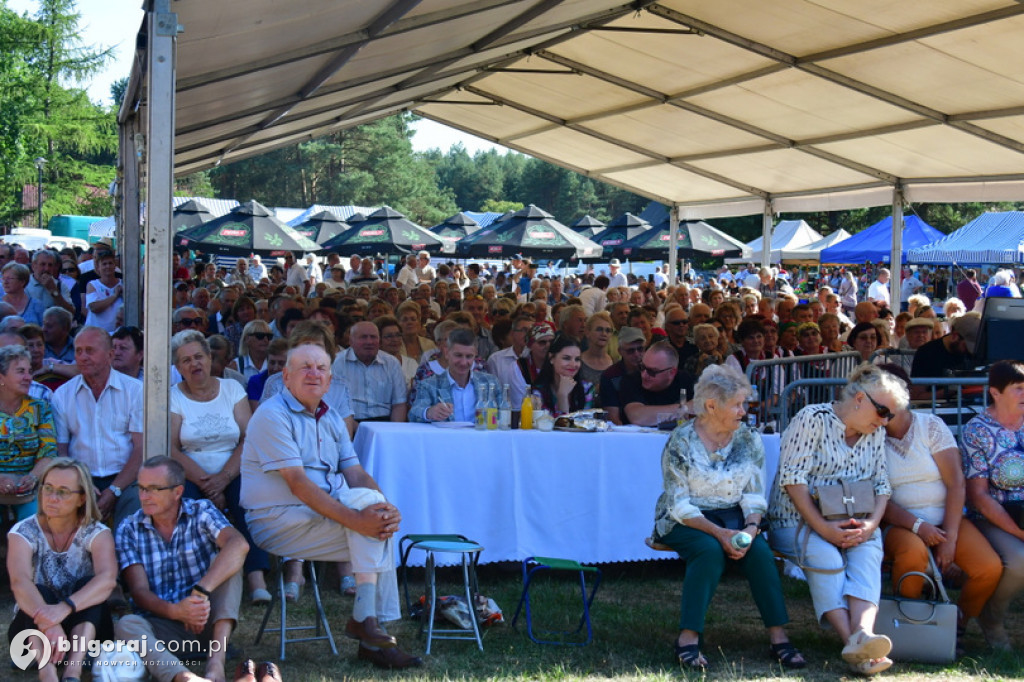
<point>583,496</point>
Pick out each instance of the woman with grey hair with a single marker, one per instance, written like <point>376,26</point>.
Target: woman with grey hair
<point>28,440</point>
<point>827,444</point>
<point>209,416</point>
<point>711,512</point>
<point>15,278</point>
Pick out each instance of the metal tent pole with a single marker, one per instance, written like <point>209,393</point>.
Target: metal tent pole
<point>896,257</point>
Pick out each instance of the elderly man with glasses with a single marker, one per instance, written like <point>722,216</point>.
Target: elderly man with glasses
<point>658,388</point>
<point>677,325</point>
<point>631,348</point>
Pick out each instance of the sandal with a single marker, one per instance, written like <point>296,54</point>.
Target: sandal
<point>788,655</point>
<point>690,657</point>
<point>871,667</point>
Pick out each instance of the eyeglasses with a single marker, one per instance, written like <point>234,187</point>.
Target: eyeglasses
<point>501,312</point>
<point>653,372</point>
<point>392,336</point>
<point>262,336</point>
<point>69,271</point>
<point>150,489</point>
<point>521,330</point>
<point>678,322</point>
<point>603,330</point>
<point>190,321</point>
<point>631,351</point>
<point>883,411</point>
<point>60,493</point>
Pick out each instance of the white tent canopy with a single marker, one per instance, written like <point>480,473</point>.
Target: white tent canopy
<point>713,108</point>
<point>812,252</point>
<point>787,234</point>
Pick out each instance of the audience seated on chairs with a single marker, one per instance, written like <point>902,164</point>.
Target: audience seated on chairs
<point>452,395</point>
<point>98,415</point>
<point>277,350</point>
<point>128,348</point>
<point>298,506</point>
<point>504,364</point>
<point>182,563</point>
<point>375,380</point>
<point>657,388</point>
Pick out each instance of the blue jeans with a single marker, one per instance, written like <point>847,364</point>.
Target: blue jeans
<point>256,559</point>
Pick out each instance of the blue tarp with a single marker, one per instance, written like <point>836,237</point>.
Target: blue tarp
<point>991,238</point>
<point>875,243</point>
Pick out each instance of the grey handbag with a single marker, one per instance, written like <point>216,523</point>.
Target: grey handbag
<point>846,500</point>
<point>920,629</point>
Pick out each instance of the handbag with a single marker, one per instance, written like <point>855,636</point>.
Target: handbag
<point>920,629</point>
<point>846,500</point>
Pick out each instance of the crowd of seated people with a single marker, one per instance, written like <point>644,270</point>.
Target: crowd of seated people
<point>257,344</point>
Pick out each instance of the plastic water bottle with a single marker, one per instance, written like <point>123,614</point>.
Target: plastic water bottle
<point>492,409</point>
<point>504,410</point>
<point>741,540</point>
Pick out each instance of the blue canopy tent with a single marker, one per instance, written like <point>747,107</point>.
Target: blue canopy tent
<point>989,238</point>
<point>875,243</point>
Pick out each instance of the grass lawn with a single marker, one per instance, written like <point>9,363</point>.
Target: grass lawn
<point>634,618</point>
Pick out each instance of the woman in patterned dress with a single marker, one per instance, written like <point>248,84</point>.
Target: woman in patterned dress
<point>842,559</point>
<point>993,461</point>
<point>713,469</point>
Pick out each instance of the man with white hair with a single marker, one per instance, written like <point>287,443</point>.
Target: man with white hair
<point>316,275</point>
<point>617,278</point>
<point>257,270</point>
<point>407,278</point>
<point>424,271</point>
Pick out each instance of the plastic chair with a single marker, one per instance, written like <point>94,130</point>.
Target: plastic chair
<point>469,552</point>
<point>322,627</point>
<point>540,564</point>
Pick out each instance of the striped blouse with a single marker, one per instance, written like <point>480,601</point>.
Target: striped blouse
<point>815,452</point>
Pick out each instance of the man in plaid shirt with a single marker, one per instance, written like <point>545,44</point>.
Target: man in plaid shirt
<point>182,562</point>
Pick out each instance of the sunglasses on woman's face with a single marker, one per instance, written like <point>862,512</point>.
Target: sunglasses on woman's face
<point>882,411</point>
<point>262,336</point>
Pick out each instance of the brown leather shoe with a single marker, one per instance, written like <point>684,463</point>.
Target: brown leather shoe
<point>369,632</point>
<point>392,659</point>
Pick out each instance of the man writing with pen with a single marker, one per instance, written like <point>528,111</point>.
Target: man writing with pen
<point>452,395</point>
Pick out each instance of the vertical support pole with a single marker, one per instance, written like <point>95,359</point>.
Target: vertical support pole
<point>162,29</point>
<point>673,244</point>
<point>766,235</point>
<point>896,257</point>
<point>129,234</point>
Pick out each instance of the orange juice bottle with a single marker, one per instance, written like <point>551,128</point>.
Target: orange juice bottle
<point>526,413</point>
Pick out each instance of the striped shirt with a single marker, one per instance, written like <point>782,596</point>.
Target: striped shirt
<point>172,567</point>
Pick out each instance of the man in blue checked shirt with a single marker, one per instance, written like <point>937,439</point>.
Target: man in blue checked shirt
<point>182,563</point>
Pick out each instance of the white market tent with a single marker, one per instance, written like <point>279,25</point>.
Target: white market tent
<point>713,108</point>
<point>812,252</point>
<point>989,238</point>
<point>787,234</point>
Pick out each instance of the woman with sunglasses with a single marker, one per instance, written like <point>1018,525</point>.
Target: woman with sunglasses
<point>63,568</point>
<point>925,514</point>
<point>559,385</point>
<point>842,559</point>
<point>993,447</point>
<point>27,437</point>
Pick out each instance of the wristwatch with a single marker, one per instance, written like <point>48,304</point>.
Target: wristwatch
<point>114,489</point>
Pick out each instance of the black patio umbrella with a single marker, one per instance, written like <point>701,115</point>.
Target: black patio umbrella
<point>191,213</point>
<point>531,232</point>
<point>619,231</point>
<point>453,229</point>
<point>385,231</point>
<point>322,226</point>
<point>588,226</point>
<point>697,239</point>
<point>250,228</point>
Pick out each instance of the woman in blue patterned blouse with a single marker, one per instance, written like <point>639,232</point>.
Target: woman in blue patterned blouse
<point>713,468</point>
<point>994,468</point>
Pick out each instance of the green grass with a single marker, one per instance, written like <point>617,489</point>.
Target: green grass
<point>634,616</point>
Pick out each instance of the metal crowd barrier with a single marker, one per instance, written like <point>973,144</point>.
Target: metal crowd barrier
<point>771,377</point>
<point>955,410</point>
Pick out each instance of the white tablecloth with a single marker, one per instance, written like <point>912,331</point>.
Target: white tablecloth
<point>583,496</point>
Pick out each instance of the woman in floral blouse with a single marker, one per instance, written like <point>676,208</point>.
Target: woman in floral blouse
<point>994,467</point>
<point>713,468</point>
